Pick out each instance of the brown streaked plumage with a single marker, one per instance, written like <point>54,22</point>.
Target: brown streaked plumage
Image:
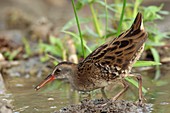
<point>110,61</point>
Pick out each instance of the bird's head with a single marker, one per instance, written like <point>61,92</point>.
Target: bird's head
<point>62,70</point>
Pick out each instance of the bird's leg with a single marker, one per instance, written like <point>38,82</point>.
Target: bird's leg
<point>139,78</point>
<point>103,93</point>
<point>125,86</point>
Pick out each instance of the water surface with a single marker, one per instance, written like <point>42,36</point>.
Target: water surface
<point>59,94</point>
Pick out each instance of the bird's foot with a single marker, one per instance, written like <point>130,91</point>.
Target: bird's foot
<point>140,101</point>
<point>108,101</point>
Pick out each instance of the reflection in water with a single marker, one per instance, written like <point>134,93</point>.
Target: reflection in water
<point>59,94</point>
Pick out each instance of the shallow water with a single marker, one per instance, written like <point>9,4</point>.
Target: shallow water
<point>26,100</point>
<point>59,94</point>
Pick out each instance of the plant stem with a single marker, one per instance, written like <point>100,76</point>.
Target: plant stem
<point>106,19</point>
<point>121,18</point>
<point>95,20</point>
<point>78,25</point>
<point>156,59</point>
<point>136,5</point>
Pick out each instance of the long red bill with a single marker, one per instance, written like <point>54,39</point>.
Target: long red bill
<point>49,78</point>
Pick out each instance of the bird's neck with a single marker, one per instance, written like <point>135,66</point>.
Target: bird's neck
<point>70,70</point>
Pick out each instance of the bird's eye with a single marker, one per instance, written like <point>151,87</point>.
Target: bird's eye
<point>58,70</point>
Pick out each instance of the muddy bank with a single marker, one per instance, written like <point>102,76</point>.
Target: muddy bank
<point>97,106</point>
<point>5,106</point>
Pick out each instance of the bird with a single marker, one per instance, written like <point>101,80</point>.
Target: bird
<point>109,62</point>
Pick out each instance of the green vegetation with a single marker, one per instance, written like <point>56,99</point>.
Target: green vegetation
<point>103,11</point>
<point>55,47</point>
<point>116,17</point>
<point>27,47</point>
<point>11,55</point>
<point>78,25</point>
<point>150,15</point>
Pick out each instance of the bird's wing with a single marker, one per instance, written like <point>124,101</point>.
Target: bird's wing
<point>120,51</point>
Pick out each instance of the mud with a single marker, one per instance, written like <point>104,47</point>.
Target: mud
<point>106,106</point>
<point>5,106</point>
<point>27,68</point>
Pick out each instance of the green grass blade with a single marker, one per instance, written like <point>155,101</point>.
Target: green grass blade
<point>95,20</point>
<point>121,18</point>
<point>72,23</point>
<point>155,54</point>
<point>145,63</point>
<point>78,25</point>
<point>27,46</point>
<point>157,59</point>
<point>136,6</point>
<point>135,83</point>
<point>106,12</point>
<point>109,7</point>
<point>77,37</point>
